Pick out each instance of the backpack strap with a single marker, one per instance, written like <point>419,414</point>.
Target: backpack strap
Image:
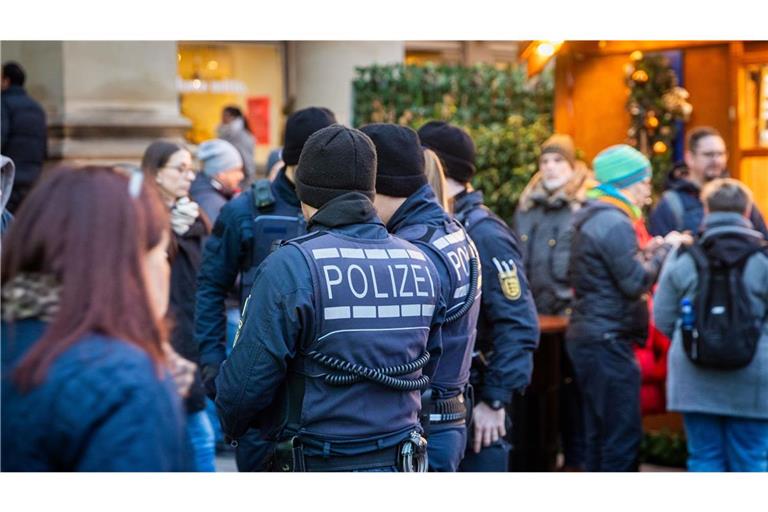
<point>676,206</point>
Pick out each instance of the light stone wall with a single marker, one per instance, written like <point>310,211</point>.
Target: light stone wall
<point>324,71</point>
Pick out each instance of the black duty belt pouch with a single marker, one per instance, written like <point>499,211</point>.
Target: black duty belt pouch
<point>289,456</point>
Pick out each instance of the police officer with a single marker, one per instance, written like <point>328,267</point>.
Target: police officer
<point>407,203</point>
<point>244,233</point>
<point>342,327</point>
<point>507,331</point>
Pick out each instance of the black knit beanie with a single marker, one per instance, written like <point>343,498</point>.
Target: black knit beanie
<point>400,157</point>
<point>299,126</point>
<point>453,145</point>
<point>335,160</point>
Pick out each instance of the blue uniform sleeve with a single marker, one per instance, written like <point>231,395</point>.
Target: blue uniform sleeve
<point>279,317</point>
<point>662,219</point>
<point>222,257</point>
<point>435,340</point>
<point>509,310</point>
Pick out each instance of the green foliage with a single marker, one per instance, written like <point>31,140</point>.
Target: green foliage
<point>655,106</point>
<point>507,116</point>
<point>664,449</point>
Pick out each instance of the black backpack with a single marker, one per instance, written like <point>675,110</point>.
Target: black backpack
<point>725,333</point>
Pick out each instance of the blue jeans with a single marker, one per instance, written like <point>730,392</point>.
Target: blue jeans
<point>609,380</point>
<point>726,443</point>
<point>200,435</point>
<point>445,448</point>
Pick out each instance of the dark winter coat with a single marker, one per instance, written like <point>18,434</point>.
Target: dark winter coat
<point>543,222</point>
<point>101,407</point>
<point>24,137</point>
<point>184,267</point>
<point>610,276</point>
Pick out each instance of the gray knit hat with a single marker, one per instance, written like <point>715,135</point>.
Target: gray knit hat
<point>217,156</point>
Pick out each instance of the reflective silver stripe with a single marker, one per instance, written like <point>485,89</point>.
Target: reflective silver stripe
<point>320,254</point>
<point>347,252</point>
<point>411,309</point>
<point>336,313</point>
<point>397,253</point>
<point>462,291</point>
<point>389,311</point>
<point>364,311</point>
<point>453,238</point>
<point>417,255</point>
<point>427,310</point>
<point>376,254</point>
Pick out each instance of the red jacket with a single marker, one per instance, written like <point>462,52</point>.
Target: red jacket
<point>652,358</point>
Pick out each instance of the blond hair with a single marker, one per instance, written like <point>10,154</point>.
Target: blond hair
<point>433,168</point>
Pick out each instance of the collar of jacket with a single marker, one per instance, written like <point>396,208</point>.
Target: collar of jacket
<point>420,208</point>
<point>728,236</point>
<point>611,195</point>
<point>466,201</point>
<point>574,191</point>
<point>727,222</point>
<point>347,209</point>
<point>285,189</point>
<point>15,90</point>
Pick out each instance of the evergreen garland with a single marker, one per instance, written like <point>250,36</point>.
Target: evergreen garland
<point>656,104</point>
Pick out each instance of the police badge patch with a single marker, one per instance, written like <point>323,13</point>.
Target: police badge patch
<point>508,279</point>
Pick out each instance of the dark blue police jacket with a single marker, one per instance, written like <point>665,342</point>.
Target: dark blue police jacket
<point>242,237</point>
<point>508,329</point>
<point>423,222</point>
<point>348,290</point>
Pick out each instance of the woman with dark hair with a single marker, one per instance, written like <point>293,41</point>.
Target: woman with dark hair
<point>84,291</point>
<point>235,130</point>
<point>169,166</point>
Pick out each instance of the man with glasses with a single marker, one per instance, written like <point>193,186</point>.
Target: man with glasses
<point>680,208</point>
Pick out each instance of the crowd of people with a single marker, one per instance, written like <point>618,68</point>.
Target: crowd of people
<point>362,310</point>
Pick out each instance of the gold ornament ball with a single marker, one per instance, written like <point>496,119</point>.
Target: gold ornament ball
<point>659,147</point>
<point>652,122</point>
<point>640,76</point>
<point>636,55</point>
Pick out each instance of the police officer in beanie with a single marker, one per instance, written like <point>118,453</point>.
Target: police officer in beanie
<point>342,327</point>
<point>508,329</point>
<point>407,203</point>
<point>244,234</point>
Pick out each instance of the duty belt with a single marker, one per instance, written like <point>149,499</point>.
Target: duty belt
<point>448,410</point>
<point>408,456</point>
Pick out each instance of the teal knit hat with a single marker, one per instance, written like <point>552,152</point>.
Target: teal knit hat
<point>621,166</point>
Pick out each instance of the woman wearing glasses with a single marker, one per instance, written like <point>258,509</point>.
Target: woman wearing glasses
<point>169,165</point>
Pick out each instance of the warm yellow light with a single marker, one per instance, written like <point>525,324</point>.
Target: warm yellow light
<point>178,57</point>
<point>640,76</point>
<point>636,55</point>
<point>545,49</point>
<point>213,65</point>
<point>659,148</point>
<point>652,122</point>
<point>197,83</point>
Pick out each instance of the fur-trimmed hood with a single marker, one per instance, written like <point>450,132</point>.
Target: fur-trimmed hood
<point>574,192</point>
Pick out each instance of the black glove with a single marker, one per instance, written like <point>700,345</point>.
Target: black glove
<point>209,373</point>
